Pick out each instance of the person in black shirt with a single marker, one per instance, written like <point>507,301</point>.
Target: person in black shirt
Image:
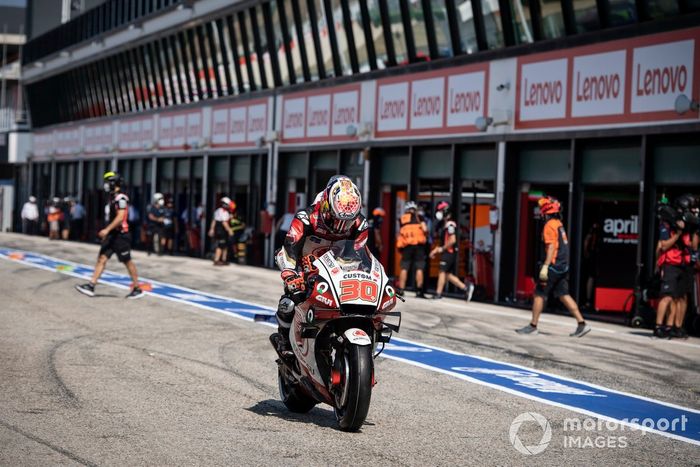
<point>115,238</point>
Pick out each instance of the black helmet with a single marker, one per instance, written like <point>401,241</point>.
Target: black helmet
<point>686,202</point>
<point>111,180</point>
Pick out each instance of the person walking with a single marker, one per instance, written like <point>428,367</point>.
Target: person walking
<point>411,243</point>
<point>30,217</point>
<point>448,253</point>
<point>115,238</point>
<point>554,271</point>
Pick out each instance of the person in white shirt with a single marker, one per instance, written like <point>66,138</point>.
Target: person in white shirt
<point>30,217</point>
<point>220,231</point>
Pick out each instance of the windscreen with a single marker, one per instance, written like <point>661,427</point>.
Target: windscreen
<point>350,258</point>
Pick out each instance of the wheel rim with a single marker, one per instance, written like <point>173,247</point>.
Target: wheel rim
<point>341,396</point>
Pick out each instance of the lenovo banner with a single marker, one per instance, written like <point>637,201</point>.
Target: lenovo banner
<point>328,115</point>
<point>433,103</point>
<point>630,81</point>
<point>180,130</point>
<point>238,125</point>
<point>98,139</point>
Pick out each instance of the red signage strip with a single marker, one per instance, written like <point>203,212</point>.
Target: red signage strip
<point>67,141</point>
<point>136,134</point>
<point>443,102</point>
<point>321,116</point>
<point>238,125</point>
<point>180,130</point>
<point>98,139</point>
<point>627,81</point>
<point>43,143</point>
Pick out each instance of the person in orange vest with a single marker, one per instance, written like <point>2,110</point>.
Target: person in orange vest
<point>554,272</point>
<point>411,244</point>
<point>448,253</point>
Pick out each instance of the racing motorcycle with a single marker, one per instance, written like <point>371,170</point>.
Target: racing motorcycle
<point>339,327</point>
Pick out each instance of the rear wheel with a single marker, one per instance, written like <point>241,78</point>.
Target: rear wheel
<point>355,389</point>
<point>293,398</point>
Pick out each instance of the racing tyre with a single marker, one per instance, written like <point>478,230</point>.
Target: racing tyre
<point>352,400</point>
<point>293,398</point>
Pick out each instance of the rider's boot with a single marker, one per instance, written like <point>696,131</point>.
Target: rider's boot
<point>285,314</point>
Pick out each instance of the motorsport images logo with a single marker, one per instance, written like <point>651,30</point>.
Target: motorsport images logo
<point>527,418</point>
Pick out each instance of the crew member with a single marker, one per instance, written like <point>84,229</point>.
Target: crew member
<point>411,244</point>
<point>168,225</point>
<point>54,218</point>
<point>30,217</point>
<point>156,224</point>
<point>220,231</point>
<point>374,238</point>
<point>333,217</point>
<point>554,272</point>
<point>237,230</point>
<point>675,248</point>
<point>115,238</point>
<point>448,253</point>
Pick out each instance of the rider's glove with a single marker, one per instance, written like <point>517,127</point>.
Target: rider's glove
<point>293,282</point>
<point>544,273</point>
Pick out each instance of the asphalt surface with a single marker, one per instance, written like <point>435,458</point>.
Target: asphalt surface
<point>106,381</point>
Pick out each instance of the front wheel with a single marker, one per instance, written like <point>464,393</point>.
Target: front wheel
<point>355,388</point>
<point>293,398</point>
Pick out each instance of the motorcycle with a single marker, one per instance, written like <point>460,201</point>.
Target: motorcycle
<point>339,327</point>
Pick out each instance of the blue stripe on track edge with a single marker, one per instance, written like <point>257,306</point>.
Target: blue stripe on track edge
<point>634,411</point>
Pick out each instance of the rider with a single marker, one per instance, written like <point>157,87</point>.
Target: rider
<point>333,217</point>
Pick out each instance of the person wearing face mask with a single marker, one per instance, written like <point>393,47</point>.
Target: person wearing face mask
<point>115,238</point>
<point>448,253</point>
<point>411,243</point>
<point>156,224</point>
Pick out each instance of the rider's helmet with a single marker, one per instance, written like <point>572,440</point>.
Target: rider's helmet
<point>442,210</point>
<point>341,204</point>
<point>158,199</point>
<point>232,206</point>
<point>111,181</point>
<point>410,205</point>
<point>225,202</point>
<point>378,212</point>
<point>549,206</point>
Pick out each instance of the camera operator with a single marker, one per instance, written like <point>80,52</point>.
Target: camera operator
<point>677,247</point>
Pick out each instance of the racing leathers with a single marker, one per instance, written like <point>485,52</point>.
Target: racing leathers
<point>307,235</point>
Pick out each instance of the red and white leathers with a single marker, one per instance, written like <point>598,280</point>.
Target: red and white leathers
<point>308,235</point>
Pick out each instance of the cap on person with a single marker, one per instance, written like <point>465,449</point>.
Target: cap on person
<point>549,205</point>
